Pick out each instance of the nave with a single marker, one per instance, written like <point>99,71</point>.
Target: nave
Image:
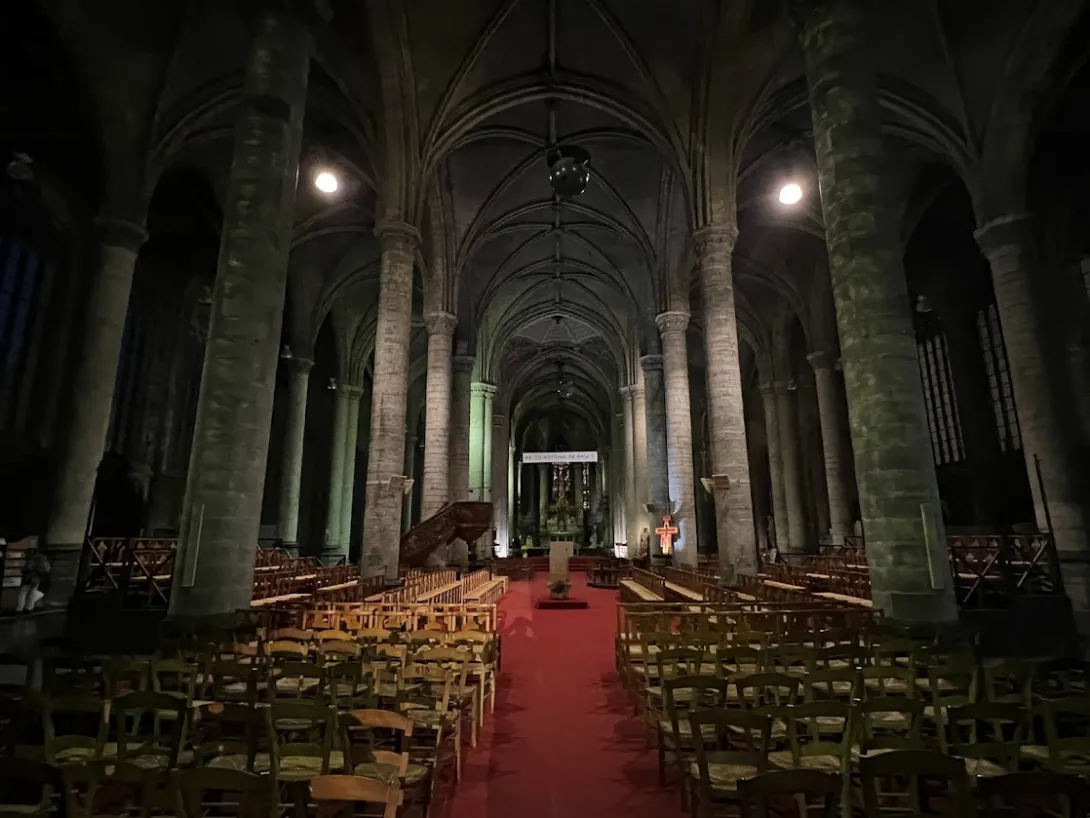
<point>564,740</point>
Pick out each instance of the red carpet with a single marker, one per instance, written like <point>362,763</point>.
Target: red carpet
<point>563,742</point>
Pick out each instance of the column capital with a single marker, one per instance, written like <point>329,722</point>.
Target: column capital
<point>397,231</point>
<point>463,364</point>
<point>627,391</point>
<point>125,233</point>
<point>482,388</point>
<point>297,364</point>
<point>499,419</point>
<point>353,392</point>
<point>345,388</point>
<point>767,388</point>
<point>715,234</point>
<point>672,321</point>
<point>782,387</point>
<point>1004,235</point>
<point>651,363</point>
<point>823,360</point>
<point>440,322</point>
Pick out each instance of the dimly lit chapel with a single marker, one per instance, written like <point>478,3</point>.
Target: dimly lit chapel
<point>544,408</point>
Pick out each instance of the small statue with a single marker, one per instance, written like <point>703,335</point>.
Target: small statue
<point>645,543</point>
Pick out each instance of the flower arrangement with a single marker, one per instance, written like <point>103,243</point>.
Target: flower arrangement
<point>559,588</point>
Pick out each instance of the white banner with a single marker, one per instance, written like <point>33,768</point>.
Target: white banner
<point>560,457</point>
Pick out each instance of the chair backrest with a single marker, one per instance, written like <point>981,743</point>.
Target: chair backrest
<point>987,730</point>
<point>328,791</point>
<point>252,795</point>
<point>226,728</point>
<point>820,791</point>
<point>911,766</point>
<point>133,711</point>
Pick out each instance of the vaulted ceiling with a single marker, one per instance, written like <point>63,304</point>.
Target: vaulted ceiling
<point>691,110</point>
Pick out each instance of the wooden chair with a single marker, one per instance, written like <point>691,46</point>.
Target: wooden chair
<point>1067,734</point>
<point>27,787</point>
<point>331,792</point>
<point>988,735</point>
<point>681,696</point>
<point>713,778</point>
<point>226,792</point>
<point>300,736</point>
<point>159,747</point>
<point>1036,793</point>
<point>909,774</point>
<point>114,788</point>
<point>763,796</point>
<point>74,728</point>
<point>227,736</point>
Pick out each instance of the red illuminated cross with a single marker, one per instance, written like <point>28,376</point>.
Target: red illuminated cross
<point>666,534</point>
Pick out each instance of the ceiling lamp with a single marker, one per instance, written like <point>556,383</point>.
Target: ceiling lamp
<point>569,170</point>
<point>326,182</point>
<point>790,194</point>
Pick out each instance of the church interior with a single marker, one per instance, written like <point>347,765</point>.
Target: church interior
<point>456,408</point>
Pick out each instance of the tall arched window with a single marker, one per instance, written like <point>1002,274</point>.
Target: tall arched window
<point>28,265</point>
<point>999,379</point>
<point>942,407</point>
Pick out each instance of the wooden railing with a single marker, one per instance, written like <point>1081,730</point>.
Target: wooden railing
<point>685,578</point>
<point>990,567</point>
<point>652,582</point>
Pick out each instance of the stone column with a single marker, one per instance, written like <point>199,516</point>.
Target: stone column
<point>92,392</point>
<point>542,494</point>
<point>386,458</point>
<point>480,433</point>
<point>679,434</point>
<point>655,403</point>
<point>486,460</point>
<point>1011,250</point>
<point>461,385</point>
<point>291,473</point>
<point>792,471</point>
<point>832,444</point>
<point>775,465</point>
<point>639,445</point>
<point>348,493</point>
<point>331,547</point>
<point>435,491</point>
<point>500,453</point>
<point>898,491</point>
<point>628,429</point>
<point>221,514</point>
<point>410,467</point>
<point>726,419</point>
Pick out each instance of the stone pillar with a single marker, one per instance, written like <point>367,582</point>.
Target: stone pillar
<point>331,547</point>
<point>679,434</point>
<point>832,444</point>
<point>898,491</point>
<point>221,514</point>
<point>631,518</point>
<point>486,460</point>
<point>386,458</point>
<point>655,404</point>
<point>500,454</point>
<point>410,467</point>
<point>291,473</point>
<point>726,419</point>
<point>435,492</point>
<point>348,493</point>
<point>542,494</point>
<point>461,385</point>
<point>775,465</point>
<point>639,445</point>
<point>92,392</point>
<point>792,471</point>
<point>1011,250</point>
<point>480,435</point>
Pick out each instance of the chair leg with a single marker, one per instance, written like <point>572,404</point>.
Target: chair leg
<point>662,758</point>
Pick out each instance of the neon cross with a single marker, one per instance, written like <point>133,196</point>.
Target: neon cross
<point>666,534</point>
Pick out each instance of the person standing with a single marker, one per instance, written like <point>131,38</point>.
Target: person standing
<point>35,583</point>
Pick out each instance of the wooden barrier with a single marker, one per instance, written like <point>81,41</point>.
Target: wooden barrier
<point>643,586</point>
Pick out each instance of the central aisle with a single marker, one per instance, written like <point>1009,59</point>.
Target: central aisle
<point>563,742</point>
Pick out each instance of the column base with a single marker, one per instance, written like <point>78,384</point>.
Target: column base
<point>292,548</point>
<point>64,562</point>
<point>189,625</point>
<point>332,555</point>
<point>921,611</point>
